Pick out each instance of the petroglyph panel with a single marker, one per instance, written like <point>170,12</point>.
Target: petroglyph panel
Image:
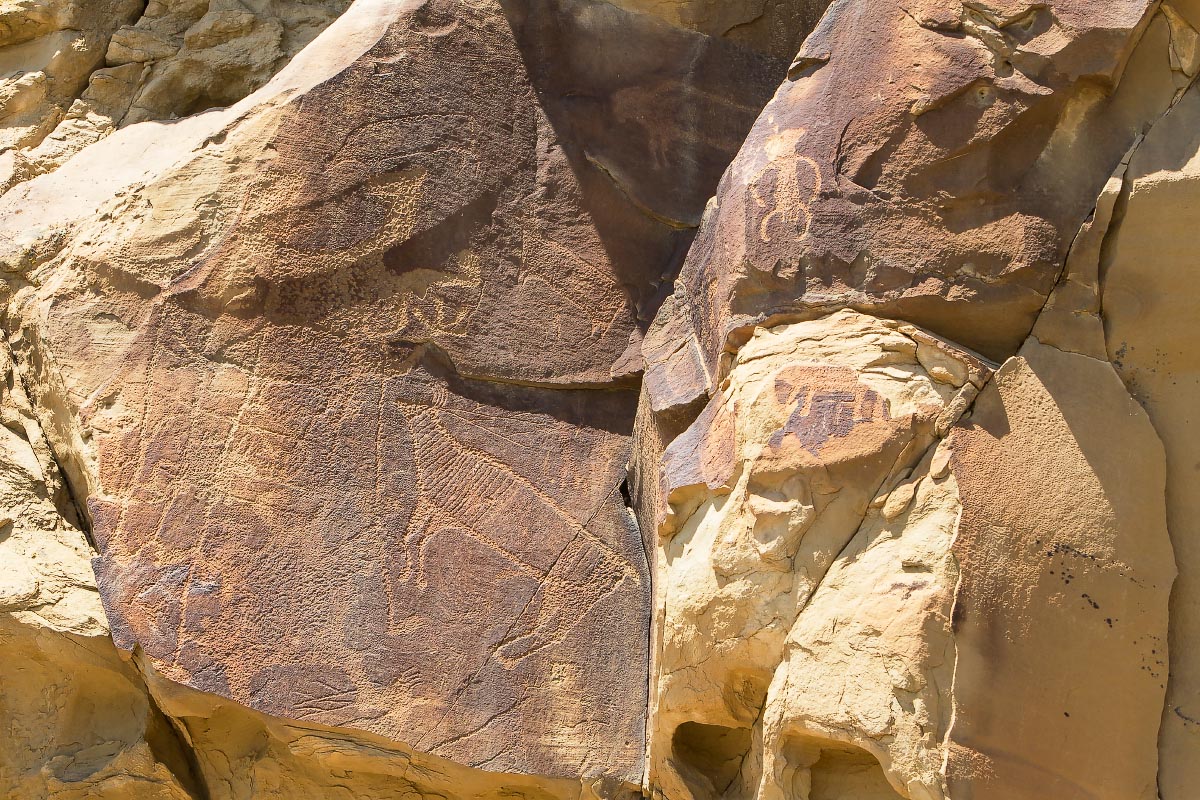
<point>346,370</point>
<point>921,163</point>
<point>476,526</point>
<point>770,485</point>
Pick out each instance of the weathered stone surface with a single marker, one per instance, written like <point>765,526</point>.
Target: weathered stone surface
<point>921,163</point>
<point>343,373</point>
<point>349,361</point>
<point>963,634</point>
<point>969,638</point>
<point>1150,310</point>
<point>76,720</point>
<point>767,491</point>
<point>1056,417</point>
<point>212,53</point>
<point>863,693</point>
<point>1066,569</point>
<point>777,27</point>
<point>177,58</point>
<point>48,51</point>
<point>244,755</point>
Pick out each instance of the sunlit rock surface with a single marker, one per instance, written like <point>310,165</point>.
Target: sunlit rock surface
<point>569,399</point>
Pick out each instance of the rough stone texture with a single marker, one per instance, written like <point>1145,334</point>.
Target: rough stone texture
<point>864,691</point>
<point>921,164</point>
<point>968,686</point>
<point>78,723</point>
<point>178,57</point>
<point>244,755</point>
<point>202,54</point>
<point>75,719</point>
<point>931,644</point>
<point>334,326</point>
<point>247,756</point>
<point>48,51</point>
<point>765,491</point>
<point>1149,311</point>
<point>352,360</point>
<point>777,27</point>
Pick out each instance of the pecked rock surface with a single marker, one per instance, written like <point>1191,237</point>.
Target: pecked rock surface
<point>868,568</point>
<point>813,439</point>
<point>76,717</point>
<point>346,371</point>
<point>948,165</point>
<point>924,161</point>
<point>428,435</point>
<point>777,27</point>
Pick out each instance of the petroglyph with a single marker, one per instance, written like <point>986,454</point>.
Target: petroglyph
<point>784,190</point>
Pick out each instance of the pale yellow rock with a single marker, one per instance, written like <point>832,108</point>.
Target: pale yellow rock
<point>178,58</point>
<point>75,718</point>
<point>243,755</point>
<point>211,53</point>
<point>90,118</point>
<point>47,578</point>
<point>105,207</point>
<point>848,607</point>
<point>870,660</point>
<point>48,51</point>
<point>130,45</point>
<point>816,422</point>
<point>1071,320</point>
<point>1150,309</point>
<point>37,213</point>
<point>1064,561</point>
<point>77,723</point>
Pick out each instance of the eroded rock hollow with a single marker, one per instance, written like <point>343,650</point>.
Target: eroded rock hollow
<point>571,399</point>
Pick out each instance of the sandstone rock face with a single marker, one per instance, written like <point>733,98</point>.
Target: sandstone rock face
<point>49,50</point>
<point>177,57</point>
<point>875,611</point>
<point>429,435</point>
<point>244,755</point>
<point>76,718</point>
<point>940,694</point>
<point>921,163</point>
<point>1147,312</point>
<point>818,422</point>
<point>1065,560</point>
<point>199,55</point>
<point>772,26</point>
<point>416,418</point>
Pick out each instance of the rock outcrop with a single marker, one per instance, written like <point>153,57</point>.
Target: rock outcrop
<point>102,65</point>
<point>431,432</point>
<point>1147,305</point>
<point>889,186</point>
<point>886,596</point>
<point>820,428</point>
<point>777,27</point>
<point>76,717</point>
<point>921,164</point>
<point>346,371</point>
<point>50,50</point>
